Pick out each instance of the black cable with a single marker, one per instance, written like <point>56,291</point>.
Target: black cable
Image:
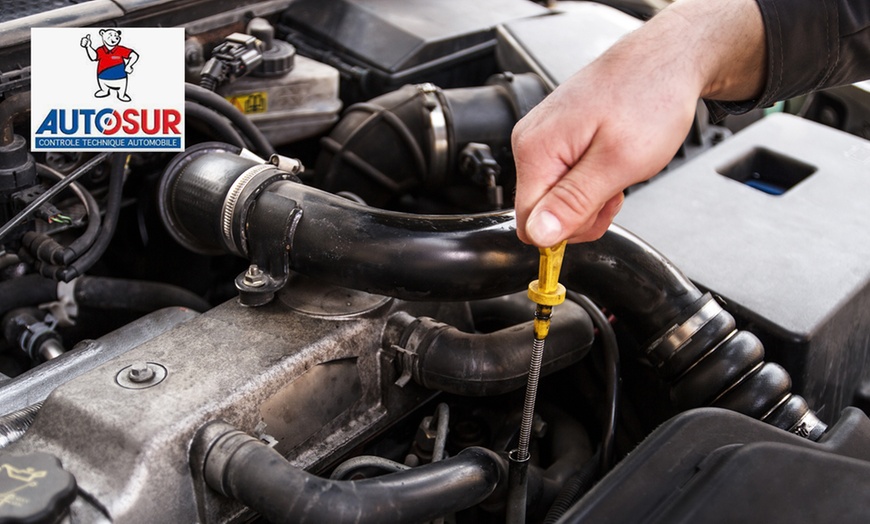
<point>113,211</point>
<point>87,238</point>
<point>202,96</point>
<point>219,127</point>
<point>611,371</point>
<point>51,193</point>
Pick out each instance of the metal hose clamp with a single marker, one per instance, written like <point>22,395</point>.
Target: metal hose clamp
<point>437,131</point>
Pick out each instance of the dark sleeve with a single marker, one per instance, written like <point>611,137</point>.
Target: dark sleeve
<point>812,45</point>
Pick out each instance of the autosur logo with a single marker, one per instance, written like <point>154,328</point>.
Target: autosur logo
<point>107,89</point>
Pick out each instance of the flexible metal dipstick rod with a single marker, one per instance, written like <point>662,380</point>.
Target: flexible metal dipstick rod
<point>546,292</point>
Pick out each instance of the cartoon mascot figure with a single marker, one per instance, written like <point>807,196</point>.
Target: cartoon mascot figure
<point>114,63</point>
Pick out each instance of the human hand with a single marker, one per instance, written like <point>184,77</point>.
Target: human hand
<point>129,69</point>
<point>620,120</point>
<point>86,41</point>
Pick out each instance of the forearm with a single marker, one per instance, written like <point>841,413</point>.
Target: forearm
<point>724,40</point>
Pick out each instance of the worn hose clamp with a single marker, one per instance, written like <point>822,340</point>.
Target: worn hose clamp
<point>239,200</point>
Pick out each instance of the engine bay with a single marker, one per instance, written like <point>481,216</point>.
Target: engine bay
<point>318,311</point>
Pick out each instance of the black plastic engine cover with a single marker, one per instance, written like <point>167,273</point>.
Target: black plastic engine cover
<point>380,45</point>
<point>715,466</point>
<point>774,221</point>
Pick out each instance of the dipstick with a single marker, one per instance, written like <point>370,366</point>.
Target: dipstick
<point>546,292</point>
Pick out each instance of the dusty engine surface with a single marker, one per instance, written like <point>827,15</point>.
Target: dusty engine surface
<point>318,311</point>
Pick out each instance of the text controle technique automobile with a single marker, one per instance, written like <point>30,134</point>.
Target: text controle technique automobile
<point>316,309</point>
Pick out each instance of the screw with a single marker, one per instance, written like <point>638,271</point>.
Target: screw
<point>255,277</point>
<point>140,372</point>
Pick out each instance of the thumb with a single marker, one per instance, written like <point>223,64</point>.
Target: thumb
<point>571,208</point>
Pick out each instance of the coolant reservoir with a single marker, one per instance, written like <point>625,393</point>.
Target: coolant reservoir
<point>289,97</point>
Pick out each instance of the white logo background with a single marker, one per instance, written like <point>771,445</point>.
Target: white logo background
<point>64,77</point>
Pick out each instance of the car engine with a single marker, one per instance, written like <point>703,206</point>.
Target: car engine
<point>319,310</point>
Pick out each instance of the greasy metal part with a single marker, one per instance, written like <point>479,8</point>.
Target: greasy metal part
<point>442,421</point>
<point>318,386</point>
<point>35,385</point>
<point>14,425</point>
<point>51,349</point>
<point>33,333</point>
<point>141,375</point>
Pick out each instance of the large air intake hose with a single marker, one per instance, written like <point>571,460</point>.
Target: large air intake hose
<point>253,210</point>
<point>413,137</point>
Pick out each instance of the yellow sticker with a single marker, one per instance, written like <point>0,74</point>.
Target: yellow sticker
<point>250,103</point>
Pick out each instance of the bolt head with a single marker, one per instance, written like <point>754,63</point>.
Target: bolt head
<point>140,372</point>
<point>254,277</point>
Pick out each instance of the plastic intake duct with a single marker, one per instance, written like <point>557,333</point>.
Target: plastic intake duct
<point>425,130</point>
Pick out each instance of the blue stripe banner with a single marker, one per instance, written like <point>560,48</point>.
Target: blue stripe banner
<point>106,143</point>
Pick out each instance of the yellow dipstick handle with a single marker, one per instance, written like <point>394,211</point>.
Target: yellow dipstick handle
<point>546,291</point>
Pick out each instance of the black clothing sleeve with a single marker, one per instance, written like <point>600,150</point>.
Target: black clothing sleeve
<point>812,45</point>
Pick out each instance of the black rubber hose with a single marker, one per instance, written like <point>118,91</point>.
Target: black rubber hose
<point>245,469</point>
<point>483,364</point>
<point>444,257</point>
<point>26,291</point>
<point>422,257</point>
<point>708,361</point>
<point>611,371</point>
<point>113,212</point>
<point>219,104</point>
<point>217,126</point>
<point>134,295</point>
<point>10,108</point>
<point>99,293</point>
<point>575,487</point>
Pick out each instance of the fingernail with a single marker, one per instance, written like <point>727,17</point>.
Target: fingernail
<point>544,228</point>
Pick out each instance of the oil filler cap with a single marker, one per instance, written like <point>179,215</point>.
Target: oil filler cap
<point>34,489</point>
